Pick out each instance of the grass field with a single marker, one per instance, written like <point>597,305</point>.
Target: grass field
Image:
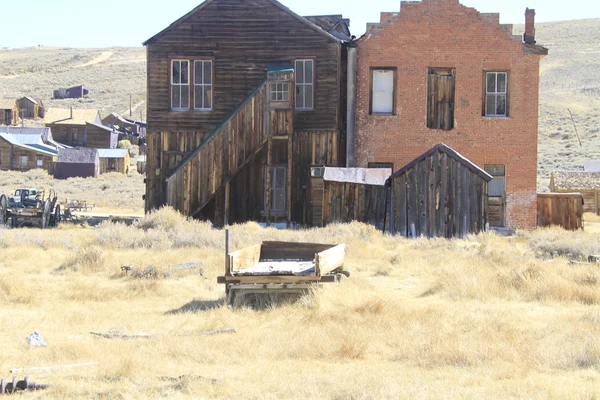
<point>487,317</point>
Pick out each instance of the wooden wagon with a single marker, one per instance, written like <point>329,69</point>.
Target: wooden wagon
<point>282,267</point>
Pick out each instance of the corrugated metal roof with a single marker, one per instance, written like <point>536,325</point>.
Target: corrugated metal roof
<point>112,153</point>
<point>365,176</point>
<point>28,138</point>
<point>106,128</point>
<point>573,181</point>
<point>63,116</point>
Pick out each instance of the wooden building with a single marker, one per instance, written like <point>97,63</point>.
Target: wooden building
<point>100,136</point>
<point>560,209</point>
<point>31,108</point>
<point>439,194</point>
<point>237,116</point>
<point>69,126</point>
<point>586,183</point>
<point>9,112</point>
<point>75,92</point>
<point>129,129</point>
<point>348,194</point>
<point>23,149</point>
<point>114,160</point>
<point>77,162</point>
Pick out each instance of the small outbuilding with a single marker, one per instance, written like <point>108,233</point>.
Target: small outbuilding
<point>100,136</point>
<point>75,92</point>
<point>114,160</point>
<point>31,108</point>
<point>439,194</point>
<point>348,194</point>
<point>9,112</point>
<point>584,182</point>
<point>23,149</point>
<point>77,162</point>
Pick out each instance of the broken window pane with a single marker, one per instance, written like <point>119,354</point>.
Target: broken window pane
<point>184,72</point>
<point>501,104</point>
<point>501,83</point>
<point>176,72</point>
<point>491,82</point>
<point>207,72</point>
<point>208,97</point>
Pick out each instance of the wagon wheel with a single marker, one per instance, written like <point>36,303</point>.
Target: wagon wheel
<point>57,216</point>
<point>3,207</point>
<point>46,214</point>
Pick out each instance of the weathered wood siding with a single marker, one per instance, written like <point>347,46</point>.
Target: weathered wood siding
<point>242,38</point>
<point>65,134</point>
<point>342,202</point>
<point>9,116</point>
<point>438,197</point>
<point>560,209</point>
<point>100,138</point>
<point>28,109</point>
<point>591,201</point>
<point>121,165</point>
<point>10,158</point>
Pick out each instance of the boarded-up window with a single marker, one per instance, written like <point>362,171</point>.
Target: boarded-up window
<point>382,98</point>
<point>440,98</point>
<point>305,84</point>
<point>203,85</point>
<point>498,182</point>
<point>280,91</point>
<point>180,85</point>
<point>496,94</point>
<point>23,161</point>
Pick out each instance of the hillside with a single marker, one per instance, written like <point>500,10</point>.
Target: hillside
<point>570,78</point>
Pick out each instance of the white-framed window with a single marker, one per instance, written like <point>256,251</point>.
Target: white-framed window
<point>382,99</point>
<point>203,79</point>
<point>39,161</point>
<point>180,84</point>
<point>305,84</point>
<point>278,188</point>
<point>23,161</point>
<point>280,91</point>
<point>496,94</point>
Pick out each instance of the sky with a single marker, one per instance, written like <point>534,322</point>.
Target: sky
<point>77,23</point>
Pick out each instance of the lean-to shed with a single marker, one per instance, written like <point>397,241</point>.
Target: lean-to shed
<point>586,183</point>
<point>439,194</point>
<point>77,162</point>
<point>348,194</point>
<point>114,160</point>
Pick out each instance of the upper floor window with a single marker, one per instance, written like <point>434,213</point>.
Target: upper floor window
<point>440,98</point>
<point>180,84</point>
<point>496,94</point>
<point>382,91</point>
<point>305,86</point>
<point>203,85</point>
<point>280,91</point>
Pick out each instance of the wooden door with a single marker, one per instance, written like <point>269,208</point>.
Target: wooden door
<point>496,194</point>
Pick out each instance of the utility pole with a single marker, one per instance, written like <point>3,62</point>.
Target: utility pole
<point>130,106</point>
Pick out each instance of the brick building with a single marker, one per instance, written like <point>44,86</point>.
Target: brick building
<point>438,71</point>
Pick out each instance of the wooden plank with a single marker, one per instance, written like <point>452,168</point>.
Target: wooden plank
<point>244,258</point>
<point>329,260</point>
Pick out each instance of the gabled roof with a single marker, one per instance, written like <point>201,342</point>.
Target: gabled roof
<point>63,116</point>
<point>336,25</point>
<point>450,152</point>
<point>574,181</point>
<point>274,2</point>
<point>28,138</point>
<point>112,153</point>
<point>365,176</point>
<point>31,99</point>
<point>106,128</point>
<point>79,155</point>
<point>7,104</point>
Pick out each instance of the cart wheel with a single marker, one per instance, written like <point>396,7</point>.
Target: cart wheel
<point>3,207</point>
<point>46,214</point>
<point>57,216</point>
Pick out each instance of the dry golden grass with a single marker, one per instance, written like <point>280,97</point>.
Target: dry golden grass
<point>486,317</point>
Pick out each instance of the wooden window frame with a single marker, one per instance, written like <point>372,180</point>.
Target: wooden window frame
<point>285,94</point>
<point>39,161</point>
<point>485,93</point>
<point>273,189</point>
<point>395,83</point>
<point>431,71</point>
<point>21,158</point>
<point>191,78</point>
<point>194,84</point>
<point>171,84</point>
<point>313,84</point>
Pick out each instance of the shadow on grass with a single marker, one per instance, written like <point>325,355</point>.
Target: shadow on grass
<point>198,305</point>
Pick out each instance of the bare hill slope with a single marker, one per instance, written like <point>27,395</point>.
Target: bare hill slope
<point>570,79</point>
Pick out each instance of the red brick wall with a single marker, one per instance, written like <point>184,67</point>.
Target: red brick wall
<point>443,33</point>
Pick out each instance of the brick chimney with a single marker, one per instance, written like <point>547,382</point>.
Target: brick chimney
<point>529,35</point>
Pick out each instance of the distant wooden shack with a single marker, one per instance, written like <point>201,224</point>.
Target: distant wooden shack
<point>128,129</point>
<point>9,112</point>
<point>100,136</point>
<point>78,162</point>
<point>560,209</point>
<point>31,108</point>
<point>75,92</point>
<point>439,194</point>
<point>23,149</point>
<point>348,194</point>
<point>69,125</point>
<point>586,183</point>
<point>114,160</point>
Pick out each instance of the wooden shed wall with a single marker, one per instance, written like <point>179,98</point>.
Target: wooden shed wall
<point>10,158</point>
<point>560,209</point>
<point>65,134</point>
<point>99,138</point>
<point>591,201</point>
<point>9,116</point>
<point>439,197</point>
<point>27,109</point>
<point>121,165</point>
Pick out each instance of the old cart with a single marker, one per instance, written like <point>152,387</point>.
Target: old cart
<point>31,207</point>
<point>281,267</point>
